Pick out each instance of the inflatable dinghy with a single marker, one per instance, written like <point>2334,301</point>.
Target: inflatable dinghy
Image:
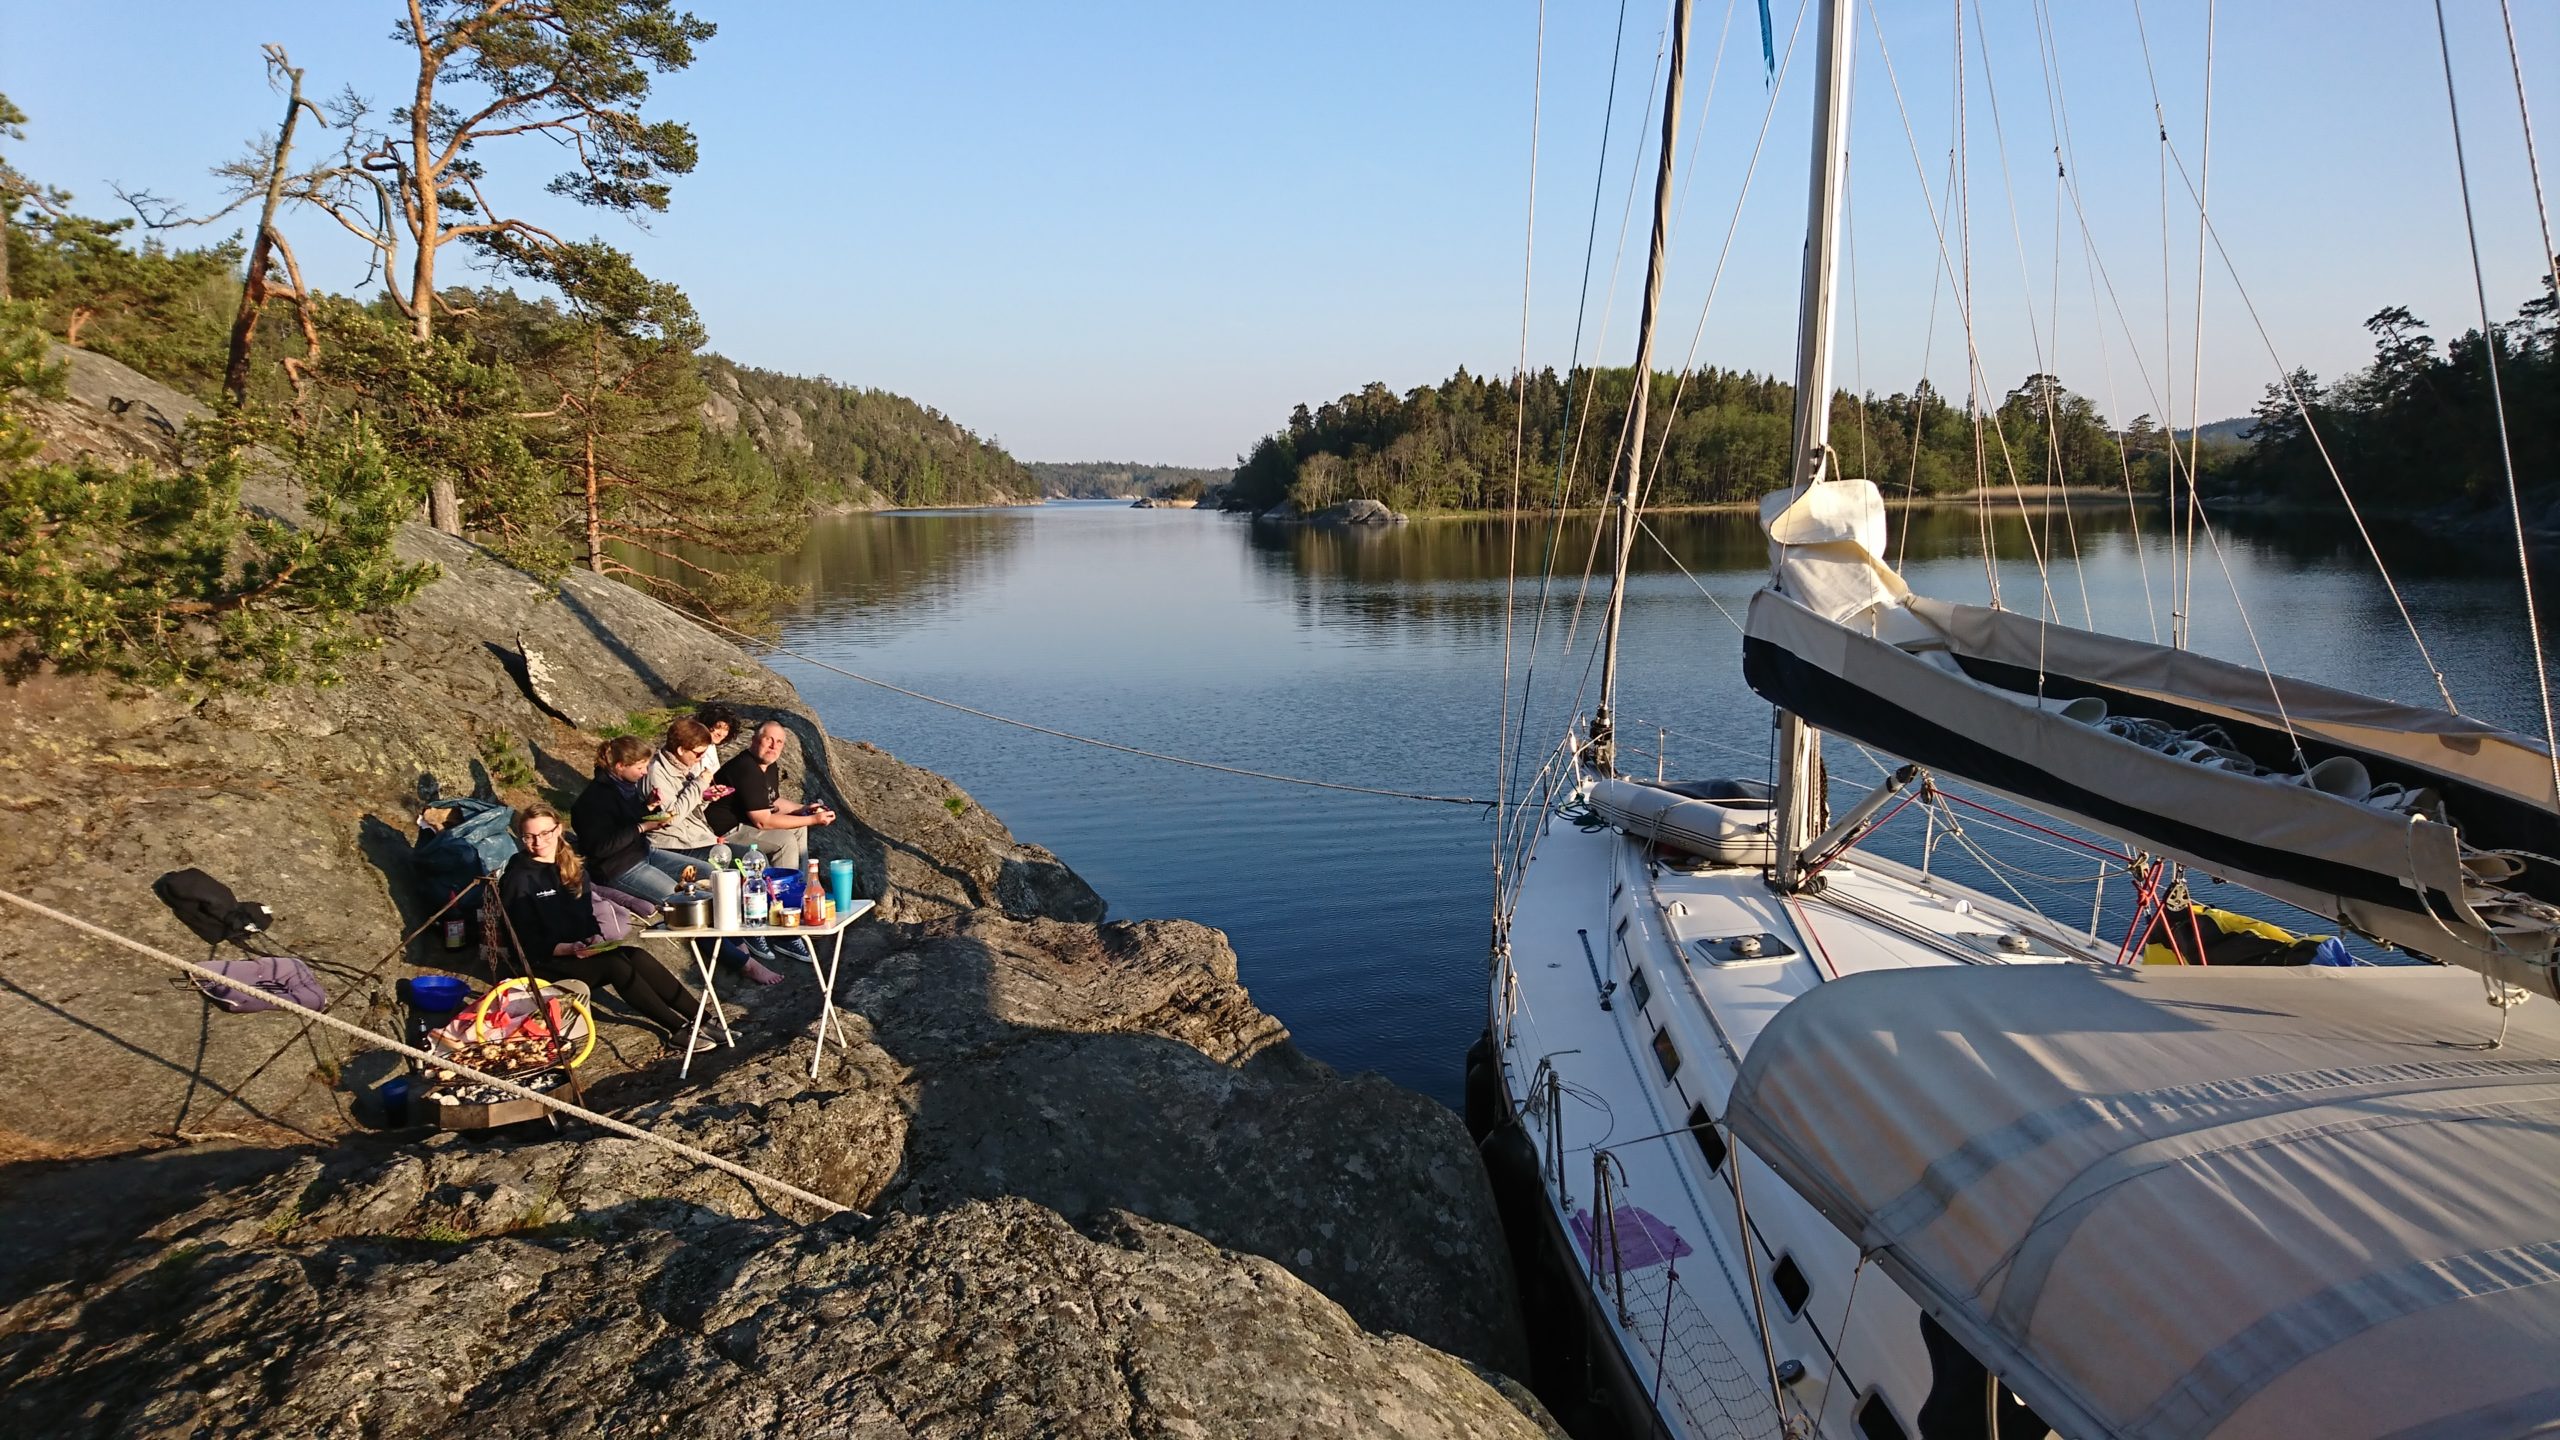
<point>1722,821</point>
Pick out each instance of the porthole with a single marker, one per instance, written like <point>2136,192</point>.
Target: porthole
<point>1875,1419</point>
<point>1793,1289</point>
<point>1666,1053</point>
<point>1702,1128</point>
<point>1643,992</point>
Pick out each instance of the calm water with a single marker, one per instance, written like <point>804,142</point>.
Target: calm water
<point>1376,659</point>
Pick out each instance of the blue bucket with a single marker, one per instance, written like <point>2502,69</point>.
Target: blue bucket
<point>786,886</point>
<point>441,994</point>
<point>395,1099</point>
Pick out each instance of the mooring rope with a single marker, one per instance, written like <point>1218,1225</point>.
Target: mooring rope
<point>772,647</point>
<point>607,1122</point>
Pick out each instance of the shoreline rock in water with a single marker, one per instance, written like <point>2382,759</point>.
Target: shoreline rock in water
<point>1114,1198</point>
<point>1348,513</point>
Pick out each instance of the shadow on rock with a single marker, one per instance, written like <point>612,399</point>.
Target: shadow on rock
<point>1120,1068</point>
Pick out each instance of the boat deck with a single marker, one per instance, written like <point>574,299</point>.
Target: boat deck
<point>1629,990</point>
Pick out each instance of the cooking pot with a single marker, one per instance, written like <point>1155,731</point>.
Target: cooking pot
<point>688,910</point>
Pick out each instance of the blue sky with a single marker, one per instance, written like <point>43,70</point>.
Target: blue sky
<point>1144,231</point>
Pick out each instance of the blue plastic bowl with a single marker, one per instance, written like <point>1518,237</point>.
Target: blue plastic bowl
<point>787,885</point>
<point>439,992</point>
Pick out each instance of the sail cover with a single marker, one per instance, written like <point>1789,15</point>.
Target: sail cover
<point>2174,1204</point>
<point>2419,827</point>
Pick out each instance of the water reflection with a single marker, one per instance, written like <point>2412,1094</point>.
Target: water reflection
<point>867,571</point>
<point>1378,657</point>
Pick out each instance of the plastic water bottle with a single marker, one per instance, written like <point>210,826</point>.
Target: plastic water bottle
<point>752,901</point>
<point>753,866</point>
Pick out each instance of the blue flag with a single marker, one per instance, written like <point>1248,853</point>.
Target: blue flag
<point>1768,44</point>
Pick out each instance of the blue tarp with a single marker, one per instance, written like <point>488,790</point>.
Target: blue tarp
<point>475,841</point>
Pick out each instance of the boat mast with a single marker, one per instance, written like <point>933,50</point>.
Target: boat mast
<point>1604,742</point>
<point>1801,802</point>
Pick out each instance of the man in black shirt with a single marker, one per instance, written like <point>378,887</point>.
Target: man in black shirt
<point>754,811</point>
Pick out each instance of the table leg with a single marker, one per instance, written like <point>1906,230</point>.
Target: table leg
<point>826,975</point>
<point>709,1001</point>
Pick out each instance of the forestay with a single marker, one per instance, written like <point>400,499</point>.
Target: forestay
<point>2418,827</point>
<point>2194,1202</point>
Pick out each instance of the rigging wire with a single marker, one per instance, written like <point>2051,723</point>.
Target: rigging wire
<point>1976,377</point>
<point>2310,425</point>
<point>2035,334</point>
<point>1568,457</point>
<point>202,974</point>
<point>2498,399</point>
<point>2066,168</point>
<point>2167,397</point>
<point>1519,433</point>
<point>1715,283</point>
<point>2532,161</point>
<point>2195,363</point>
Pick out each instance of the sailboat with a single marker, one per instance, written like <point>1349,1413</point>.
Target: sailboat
<point>1819,1143</point>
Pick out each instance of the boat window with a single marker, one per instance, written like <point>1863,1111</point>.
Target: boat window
<point>1667,1053</point>
<point>1710,1139</point>
<point>1793,1289</point>
<point>1635,982</point>
<point>1875,1419</point>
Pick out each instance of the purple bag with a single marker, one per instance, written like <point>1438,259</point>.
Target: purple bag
<point>253,980</point>
<point>614,912</point>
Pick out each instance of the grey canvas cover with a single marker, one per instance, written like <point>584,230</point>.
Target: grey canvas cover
<point>2438,741</point>
<point>2399,877</point>
<point>2176,1203</point>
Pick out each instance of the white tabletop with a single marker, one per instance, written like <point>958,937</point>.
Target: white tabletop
<point>844,917</point>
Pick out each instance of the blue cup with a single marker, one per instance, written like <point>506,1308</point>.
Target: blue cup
<point>840,884</point>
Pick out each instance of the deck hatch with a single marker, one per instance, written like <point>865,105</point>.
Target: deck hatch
<point>1760,949</point>
<point>2014,946</point>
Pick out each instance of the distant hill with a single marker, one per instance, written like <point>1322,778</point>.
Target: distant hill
<point>1122,480</point>
<point>2235,429</point>
<point>839,444</point>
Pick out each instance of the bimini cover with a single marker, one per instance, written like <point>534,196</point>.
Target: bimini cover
<point>2178,1204</point>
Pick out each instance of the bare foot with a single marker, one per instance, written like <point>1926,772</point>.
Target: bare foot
<point>761,976</point>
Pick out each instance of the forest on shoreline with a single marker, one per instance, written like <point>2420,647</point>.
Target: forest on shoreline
<point>2413,431</point>
<point>1122,480</point>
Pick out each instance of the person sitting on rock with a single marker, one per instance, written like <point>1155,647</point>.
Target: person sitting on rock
<point>544,891</point>
<point>680,779</point>
<point>612,821</point>
<point>754,811</point>
<point>721,721</point>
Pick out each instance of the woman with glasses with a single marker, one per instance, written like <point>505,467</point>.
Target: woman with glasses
<point>545,891</point>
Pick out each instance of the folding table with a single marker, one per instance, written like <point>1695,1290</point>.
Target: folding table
<point>704,943</point>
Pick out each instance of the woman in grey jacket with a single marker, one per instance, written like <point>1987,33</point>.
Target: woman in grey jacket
<point>680,783</point>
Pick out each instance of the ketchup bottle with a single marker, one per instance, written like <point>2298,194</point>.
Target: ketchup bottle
<point>813,900</point>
